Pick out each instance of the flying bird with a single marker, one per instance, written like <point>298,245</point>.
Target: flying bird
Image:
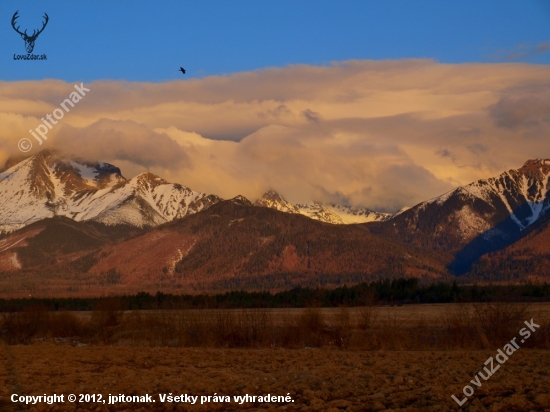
<point>182,70</point>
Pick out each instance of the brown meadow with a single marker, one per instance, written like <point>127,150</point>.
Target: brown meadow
<point>409,358</point>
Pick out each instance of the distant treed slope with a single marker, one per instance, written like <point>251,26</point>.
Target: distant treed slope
<point>232,245</point>
<point>56,242</point>
<point>235,241</point>
<point>476,218</point>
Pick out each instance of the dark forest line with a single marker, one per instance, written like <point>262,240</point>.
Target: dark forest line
<point>382,292</point>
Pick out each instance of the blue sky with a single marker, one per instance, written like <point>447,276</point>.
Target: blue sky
<point>148,41</point>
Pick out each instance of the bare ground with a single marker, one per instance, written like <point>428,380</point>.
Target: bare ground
<point>326,379</point>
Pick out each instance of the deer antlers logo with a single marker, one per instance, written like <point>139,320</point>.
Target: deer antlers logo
<point>29,40</point>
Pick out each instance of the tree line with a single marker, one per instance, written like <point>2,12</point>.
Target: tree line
<point>381,292</point>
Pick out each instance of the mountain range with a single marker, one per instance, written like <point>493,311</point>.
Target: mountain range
<point>48,185</point>
<point>74,227</point>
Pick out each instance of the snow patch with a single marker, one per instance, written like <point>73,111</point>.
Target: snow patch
<point>470,224</point>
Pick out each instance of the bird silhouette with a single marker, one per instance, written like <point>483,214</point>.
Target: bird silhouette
<point>182,70</point>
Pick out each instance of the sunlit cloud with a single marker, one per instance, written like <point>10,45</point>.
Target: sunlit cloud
<point>381,134</point>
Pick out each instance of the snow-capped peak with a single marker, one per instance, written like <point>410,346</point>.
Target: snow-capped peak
<point>46,185</point>
<point>329,213</point>
<point>274,200</point>
<point>516,198</point>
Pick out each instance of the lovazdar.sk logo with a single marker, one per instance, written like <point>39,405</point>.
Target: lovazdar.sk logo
<point>29,39</point>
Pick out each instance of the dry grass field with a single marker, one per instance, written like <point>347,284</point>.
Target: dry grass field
<point>326,379</point>
<point>410,358</point>
<point>430,313</point>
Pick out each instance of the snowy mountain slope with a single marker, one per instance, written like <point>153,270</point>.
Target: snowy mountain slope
<point>520,195</point>
<point>274,200</point>
<point>350,214</point>
<point>328,213</point>
<point>476,218</point>
<point>46,185</point>
<point>315,210</point>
